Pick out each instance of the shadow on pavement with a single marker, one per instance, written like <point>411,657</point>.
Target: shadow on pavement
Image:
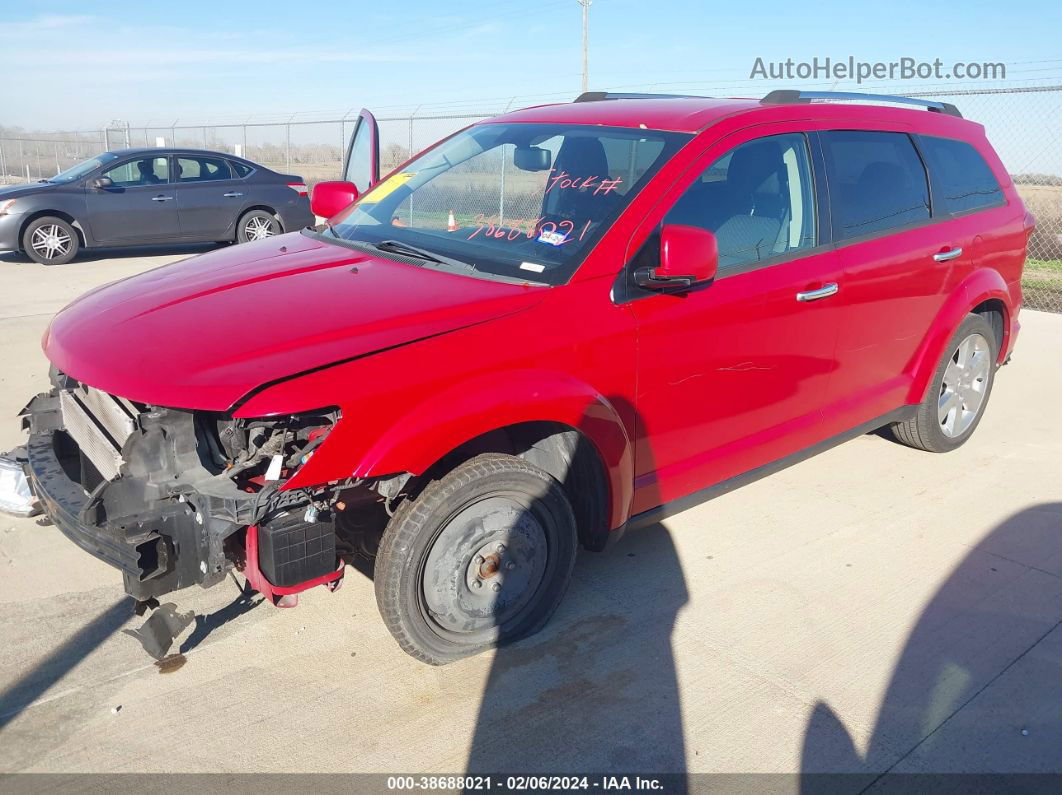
<point>245,602</point>
<point>39,679</point>
<point>596,691</point>
<point>1000,602</point>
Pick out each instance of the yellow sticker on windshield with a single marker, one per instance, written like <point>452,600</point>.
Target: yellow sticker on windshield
<point>388,186</point>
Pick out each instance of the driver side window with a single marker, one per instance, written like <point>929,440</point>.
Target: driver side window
<point>142,171</point>
<point>757,199</point>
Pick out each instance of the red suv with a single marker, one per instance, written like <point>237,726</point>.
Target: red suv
<point>551,326</point>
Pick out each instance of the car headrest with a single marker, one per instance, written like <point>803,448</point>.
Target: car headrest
<point>882,178</point>
<point>582,157</point>
<point>752,164</point>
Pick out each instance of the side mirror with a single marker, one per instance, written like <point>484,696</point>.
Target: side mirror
<point>102,183</point>
<point>689,255</point>
<point>328,198</point>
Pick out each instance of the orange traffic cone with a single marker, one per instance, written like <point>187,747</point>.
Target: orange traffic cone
<point>451,223</point>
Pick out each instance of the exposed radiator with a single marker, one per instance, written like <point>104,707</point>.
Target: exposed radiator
<point>100,424</point>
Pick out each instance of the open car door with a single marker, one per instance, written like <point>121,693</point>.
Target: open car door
<point>362,163</point>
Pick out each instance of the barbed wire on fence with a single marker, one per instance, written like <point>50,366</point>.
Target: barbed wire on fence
<point>1024,124</point>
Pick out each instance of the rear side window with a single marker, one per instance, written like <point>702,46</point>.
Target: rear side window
<point>757,199</point>
<point>964,180</point>
<point>202,169</point>
<point>877,182</point>
<point>241,169</point>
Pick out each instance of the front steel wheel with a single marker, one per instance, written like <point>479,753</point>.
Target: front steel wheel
<point>481,557</point>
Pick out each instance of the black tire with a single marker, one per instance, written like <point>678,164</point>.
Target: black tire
<point>255,218</point>
<point>495,520</point>
<point>47,234</point>
<point>925,431</point>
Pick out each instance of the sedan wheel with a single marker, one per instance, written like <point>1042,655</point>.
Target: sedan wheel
<point>258,225</point>
<point>50,241</point>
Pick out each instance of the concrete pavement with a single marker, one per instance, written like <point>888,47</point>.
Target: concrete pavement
<point>873,609</point>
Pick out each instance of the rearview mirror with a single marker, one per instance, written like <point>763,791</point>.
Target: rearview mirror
<point>103,183</point>
<point>532,158</point>
<point>689,255</point>
<point>328,198</point>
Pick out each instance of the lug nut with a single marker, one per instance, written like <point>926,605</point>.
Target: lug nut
<point>496,587</point>
<point>477,559</point>
<point>477,584</point>
<point>510,565</point>
<point>501,548</point>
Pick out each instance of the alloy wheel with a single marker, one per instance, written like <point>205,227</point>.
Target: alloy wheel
<point>259,228</point>
<point>50,241</point>
<point>962,390</point>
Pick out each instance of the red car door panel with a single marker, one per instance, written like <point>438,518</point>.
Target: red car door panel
<point>731,377</point>
<point>899,265</point>
<point>734,374</point>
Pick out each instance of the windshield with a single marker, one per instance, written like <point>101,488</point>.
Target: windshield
<point>521,201</point>
<point>83,168</point>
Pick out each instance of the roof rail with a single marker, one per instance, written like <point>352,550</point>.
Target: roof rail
<point>789,96</point>
<point>597,96</point>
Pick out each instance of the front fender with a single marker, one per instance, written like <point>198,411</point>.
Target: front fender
<point>981,285</point>
<point>443,421</point>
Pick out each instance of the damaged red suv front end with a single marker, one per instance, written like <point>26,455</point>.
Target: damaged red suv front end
<point>175,496</point>
<point>162,494</point>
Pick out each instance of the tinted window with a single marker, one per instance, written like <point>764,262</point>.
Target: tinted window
<point>142,171</point>
<point>202,169</point>
<point>877,181</point>
<point>964,179</point>
<point>241,169</point>
<point>757,199</point>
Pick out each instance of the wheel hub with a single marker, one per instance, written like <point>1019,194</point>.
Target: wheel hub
<point>485,566</point>
<point>259,228</point>
<point>50,241</point>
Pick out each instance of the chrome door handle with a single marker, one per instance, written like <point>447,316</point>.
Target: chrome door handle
<point>944,256</point>
<point>814,295</point>
<point>161,198</point>
<point>232,195</point>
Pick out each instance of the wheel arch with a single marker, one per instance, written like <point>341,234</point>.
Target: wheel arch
<point>554,420</point>
<point>82,237</point>
<point>983,292</point>
<point>565,452</point>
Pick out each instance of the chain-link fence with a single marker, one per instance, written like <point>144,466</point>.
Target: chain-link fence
<point>1024,124</point>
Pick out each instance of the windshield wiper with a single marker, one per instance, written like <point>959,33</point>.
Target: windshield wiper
<point>406,250</point>
<point>396,247</point>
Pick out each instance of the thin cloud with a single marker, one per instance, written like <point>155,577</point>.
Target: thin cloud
<point>45,23</point>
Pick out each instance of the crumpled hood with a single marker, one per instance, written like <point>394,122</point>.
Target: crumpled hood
<point>203,332</point>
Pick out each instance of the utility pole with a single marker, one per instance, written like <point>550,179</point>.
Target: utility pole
<point>586,43</point>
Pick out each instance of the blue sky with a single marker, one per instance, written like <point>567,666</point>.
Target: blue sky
<point>79,64</point>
